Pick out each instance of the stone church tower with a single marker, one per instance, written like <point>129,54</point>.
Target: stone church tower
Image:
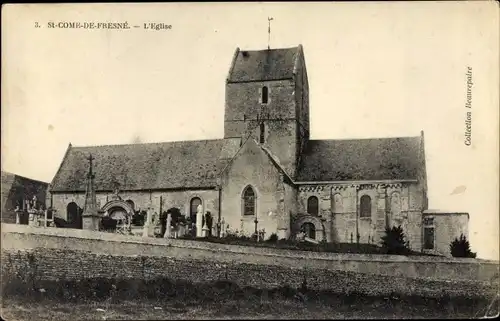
<point>267,99</point>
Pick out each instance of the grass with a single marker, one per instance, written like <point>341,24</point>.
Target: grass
<point>256,307</point>
<point>105,299</point>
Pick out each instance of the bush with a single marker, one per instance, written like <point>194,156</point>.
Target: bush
<point>273,238</point>
<point>460,247</point>
<point>138,218</point>
<point>393,242</point>
<point>108,224</point>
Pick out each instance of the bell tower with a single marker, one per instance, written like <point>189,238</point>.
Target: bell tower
<point>267,99</point>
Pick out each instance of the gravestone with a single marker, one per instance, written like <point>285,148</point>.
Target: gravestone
<point>199,221</point>
<point>168,227</point>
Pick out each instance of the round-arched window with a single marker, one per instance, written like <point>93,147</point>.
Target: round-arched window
<point>365,206</point>
<point>312,206</point>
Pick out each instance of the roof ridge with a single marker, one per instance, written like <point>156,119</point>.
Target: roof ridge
<point>265,49</point>
<point>365,138</point>
<point>24,177</point>
<point>150,143</point>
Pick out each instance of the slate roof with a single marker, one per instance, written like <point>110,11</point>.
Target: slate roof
<point>171,165</point>
<point>6,185</point>
<point>263,65</point>
<point>197,164</point>
<point>360,159</point>
<point>15,186</point>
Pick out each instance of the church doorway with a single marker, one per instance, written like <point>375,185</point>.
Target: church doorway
<point>119,214</point>
<point>74,215</point>
<point>309,230</point>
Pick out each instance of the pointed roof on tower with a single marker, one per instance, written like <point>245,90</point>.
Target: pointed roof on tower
<point>263,65</point>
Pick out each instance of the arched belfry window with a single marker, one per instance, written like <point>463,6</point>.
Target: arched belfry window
<point>262,138</point>
<point>312,205</point>
<point>365,208</point>
<point>265,94</point>
<point>249,201</point>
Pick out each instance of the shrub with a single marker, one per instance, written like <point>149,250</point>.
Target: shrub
<point>460,247</point>
<point>273,238</point>
<point>108,224</point>
<point>176,215</point>
<point>59,222</point>
<point>138,218</point>
<point>393,242</point>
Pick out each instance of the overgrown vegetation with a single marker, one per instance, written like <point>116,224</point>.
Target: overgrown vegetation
<point>273,238</point>
<point>235,238</point>
<point>165,289</point>
<point>460,247</point>
<point>139,218</point>
<point>394,242</point>
<point>22,281</point>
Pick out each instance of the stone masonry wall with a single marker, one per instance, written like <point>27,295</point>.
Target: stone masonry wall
<point>48,264</point>
<point>252,167</point>
<point>244,105</point>
<point>142,200</point>
<point>16,238</point>
<point>447,227</point>
<point>393,205</point>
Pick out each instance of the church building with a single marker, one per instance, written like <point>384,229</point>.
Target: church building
<point>266,172</point>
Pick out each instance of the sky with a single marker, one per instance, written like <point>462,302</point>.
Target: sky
<point>375,70</point>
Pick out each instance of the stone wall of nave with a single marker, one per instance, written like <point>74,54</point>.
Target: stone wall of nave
<point>143,200</point>
<point>390,205</point>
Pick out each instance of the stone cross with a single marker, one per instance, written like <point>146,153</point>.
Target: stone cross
<point>34,201</point>
<point>18,218</point>
<point>223,228</point>
<point>90,159</point>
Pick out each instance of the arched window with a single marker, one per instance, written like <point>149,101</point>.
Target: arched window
<point>265,93</point>
<point>249,201</point>
<point>262,133</point>
<point>312,205</point>
<point>309,230</point>
<point>365,206</point>
<point>195,201</point>
<point>74,215</point>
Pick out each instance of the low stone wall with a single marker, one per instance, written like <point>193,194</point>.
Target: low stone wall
<point>72,254</point>
<point>56,264</point>
<point>25,237</point>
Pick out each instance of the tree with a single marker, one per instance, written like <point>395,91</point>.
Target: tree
<point>393,242</point>
<point>460,247</point>
<point>176,216</point>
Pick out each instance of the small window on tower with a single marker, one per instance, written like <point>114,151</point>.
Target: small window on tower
<point>265,93</point>
<point>262,133</point>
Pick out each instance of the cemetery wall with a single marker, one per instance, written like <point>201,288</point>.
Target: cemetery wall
<point>73,254</point>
